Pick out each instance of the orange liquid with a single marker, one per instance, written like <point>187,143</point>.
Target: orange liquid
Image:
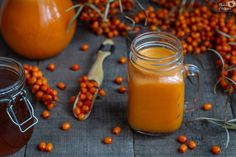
<point>36,29</point>
<point>156,99</point>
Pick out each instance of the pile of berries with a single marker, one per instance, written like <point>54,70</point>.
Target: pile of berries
<point>40,87</point>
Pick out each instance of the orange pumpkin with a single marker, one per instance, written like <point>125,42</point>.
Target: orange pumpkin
<point>37,29</point>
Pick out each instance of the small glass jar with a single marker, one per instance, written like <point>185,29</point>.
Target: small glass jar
<point>156,76</point>
<point>17,114</point>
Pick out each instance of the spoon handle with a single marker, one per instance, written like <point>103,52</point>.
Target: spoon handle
<point>96,71</point>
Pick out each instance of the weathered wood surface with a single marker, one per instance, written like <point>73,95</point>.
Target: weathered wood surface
<point>85,138</point>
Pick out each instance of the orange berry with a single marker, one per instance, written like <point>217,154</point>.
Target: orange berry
<point>51,67</point>
<point>61,85</point>
<point>77,111</point>
<point>84,47</point>
<point>216,150</point>
<point>122,60</point>
<point>50,106</point>
<point>118,80</point>
<point>81,116</point>
<point>39,95</point>
<point>85,108</point>
<point>49,147</point>
<point>153,28</point>
<point>75,67</point>
<point>116,130</point>
<point>183,148</point>
<point>72,99</point>
<point>107,140</point>
<point>192,144</point>
<point>101,92</point>
<point>66,126</point>
<point>42,146</point>
<point>45,114</point>
<point>182,139</point>
<point>122,89</point>
<point>207,106</point>
<point>82,97</point>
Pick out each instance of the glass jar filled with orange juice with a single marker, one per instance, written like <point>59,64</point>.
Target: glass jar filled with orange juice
<point>156,76</point>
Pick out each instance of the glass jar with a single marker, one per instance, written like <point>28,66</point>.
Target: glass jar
<point>156,76</point>
<point>17,114</point>
<point>37,29</point>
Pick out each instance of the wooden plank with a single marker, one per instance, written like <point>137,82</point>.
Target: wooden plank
<point>85,138</point>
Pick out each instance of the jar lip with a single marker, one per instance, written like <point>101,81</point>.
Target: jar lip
<point>20,72</point>
<point>177,55</point>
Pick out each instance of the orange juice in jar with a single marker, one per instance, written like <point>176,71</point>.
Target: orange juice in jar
<point>156,83</point>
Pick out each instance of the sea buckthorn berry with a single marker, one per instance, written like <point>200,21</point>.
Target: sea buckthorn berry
<point>182,139</point>
<point>192,144</point>
<point>82,97</point>
<point>183,148</point>
<point>83,78</point>
<point>50,106</point>
<point>66,126</point>
<point>153,28</point>
<point>49,147</point>
<point>89,84</point>
<point>77,111</point>
<point>42,146</point>
<point>101,92</point>
<point>89,96</point>
<point>215,150</point>
<point>83,90</point>
<point>207,106</point>
<point>107,140</point>
<point>45,114</point>
<point>87,103</point>
<point>79,104</point>
<point>39,95</point>
<point>72,99</point>
<point>61,85</point>
<point>85,108</point>
<point>122,60</point>
<point>116,130</point>
<point>81,116</point>
<point>31,80</point>
<point>93,90</point>
<point>75,67</point>
<point>43,88</point>
<point>51,67</point>
<point>83,85</point>
<point>118,80</point>
<point>84,47</point>
<point>95,84</point>
<point>122,89</point>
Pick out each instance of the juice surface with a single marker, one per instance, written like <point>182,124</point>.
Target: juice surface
<point>156,99</point>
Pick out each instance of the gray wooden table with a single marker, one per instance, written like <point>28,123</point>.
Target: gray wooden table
<point>85,138</point>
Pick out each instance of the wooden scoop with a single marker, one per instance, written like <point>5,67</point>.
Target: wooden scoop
<point>96,73</point>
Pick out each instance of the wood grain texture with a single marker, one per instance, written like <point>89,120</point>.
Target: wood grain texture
<point>85,138</point>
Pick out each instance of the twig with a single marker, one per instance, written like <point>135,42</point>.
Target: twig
<point>74,18</point>
<point>73,7</point>
<point>142,8</point>
<point>218,54</point>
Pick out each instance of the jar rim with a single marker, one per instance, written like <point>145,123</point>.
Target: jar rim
<point>5,63</point>
<point>176,56</point>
